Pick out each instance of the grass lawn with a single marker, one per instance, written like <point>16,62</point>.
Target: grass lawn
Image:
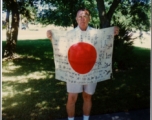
<point>30,91</point>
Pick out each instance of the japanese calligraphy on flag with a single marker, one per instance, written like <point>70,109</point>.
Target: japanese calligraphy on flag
<point>84,57</point>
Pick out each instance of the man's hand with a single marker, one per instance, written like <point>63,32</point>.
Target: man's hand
<point>116,30</point>
<point>49,34</point>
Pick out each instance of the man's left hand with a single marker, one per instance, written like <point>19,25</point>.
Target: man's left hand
<point>116,30</point>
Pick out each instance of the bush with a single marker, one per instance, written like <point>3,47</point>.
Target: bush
<point>123,50</point>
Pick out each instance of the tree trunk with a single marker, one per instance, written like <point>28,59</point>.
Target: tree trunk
<point>104,22</point>
<point>105,18</point>
<point>11,30</point>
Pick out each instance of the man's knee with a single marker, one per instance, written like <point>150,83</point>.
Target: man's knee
<point>86,96</point>
<point>72,98</point>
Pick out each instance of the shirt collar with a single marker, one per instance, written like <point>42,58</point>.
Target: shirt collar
<point>78,28</point>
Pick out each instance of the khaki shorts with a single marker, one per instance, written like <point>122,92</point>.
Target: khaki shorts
<point>78,88</point>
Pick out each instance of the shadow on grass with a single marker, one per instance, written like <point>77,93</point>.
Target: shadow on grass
<point>41,99</point>
<point>30,91</point>
<point>129,90</point>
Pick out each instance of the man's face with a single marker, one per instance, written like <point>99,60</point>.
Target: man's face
<point>82,19</point>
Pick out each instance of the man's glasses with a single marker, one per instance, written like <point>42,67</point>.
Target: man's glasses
<point>83,17</point>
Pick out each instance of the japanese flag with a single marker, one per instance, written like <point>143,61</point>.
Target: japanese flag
<point>84,57</point>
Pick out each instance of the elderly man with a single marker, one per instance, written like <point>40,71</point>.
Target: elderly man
<point>83,17</point>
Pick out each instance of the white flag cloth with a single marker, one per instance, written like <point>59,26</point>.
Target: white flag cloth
<point>84,57</point>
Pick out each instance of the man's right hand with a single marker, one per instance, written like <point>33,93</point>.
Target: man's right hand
<point>49,34</point>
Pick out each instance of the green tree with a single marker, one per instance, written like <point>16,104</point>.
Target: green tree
<point>130,17</point>
<point>13,10</point>
<point>11,29</point>
<point>129,13</point>
<point>62,12</point>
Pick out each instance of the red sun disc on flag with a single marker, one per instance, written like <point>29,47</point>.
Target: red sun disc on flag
<point>82,57</point>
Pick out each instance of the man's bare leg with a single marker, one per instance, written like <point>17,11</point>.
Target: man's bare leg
<point>87,104</point>
<point>72,98</point>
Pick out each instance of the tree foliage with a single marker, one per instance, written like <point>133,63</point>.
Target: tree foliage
<point>131,13</point>
<point>63,12</point>
<point>129,18</point>
<point>133,16</point>
<point>27,10</point>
